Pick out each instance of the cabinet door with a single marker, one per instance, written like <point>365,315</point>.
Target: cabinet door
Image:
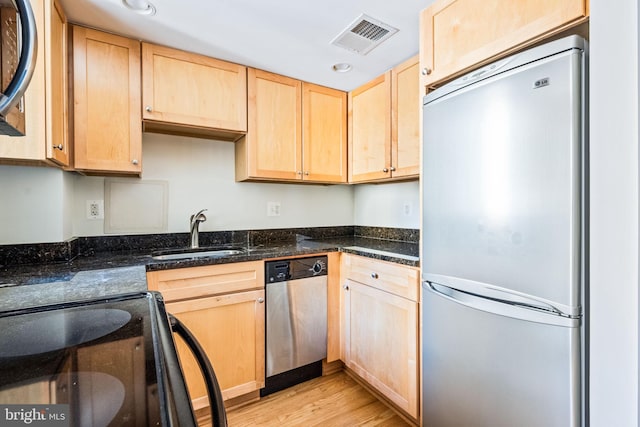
<point>370,130</point>
<point>272,148</point>
<point>186,89</point>
<point>230,329</point>
<point>36,147</point>
<point>381,339</point>
<point>107,117</point>
<point>56,84</point>
<point>324,134</point>
<point>406,108</point>
<point>454,34</point>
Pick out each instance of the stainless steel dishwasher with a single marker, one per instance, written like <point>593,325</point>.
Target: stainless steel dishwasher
<point>296,321</point>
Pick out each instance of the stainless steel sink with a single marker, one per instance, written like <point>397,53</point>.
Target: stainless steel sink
<point>213,253</point>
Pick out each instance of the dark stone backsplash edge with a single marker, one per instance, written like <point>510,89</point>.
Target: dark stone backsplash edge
<point>410,235</point>
<point>45,253</point>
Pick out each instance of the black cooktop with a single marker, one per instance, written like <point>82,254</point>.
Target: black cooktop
<point>93,363</point>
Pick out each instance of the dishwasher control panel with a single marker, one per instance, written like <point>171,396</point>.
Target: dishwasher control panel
<point>293,269</point>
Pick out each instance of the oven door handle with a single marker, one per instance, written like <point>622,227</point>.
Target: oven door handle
<point>218,414</point>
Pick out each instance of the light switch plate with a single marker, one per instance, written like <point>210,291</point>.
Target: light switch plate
<point>273,208</point>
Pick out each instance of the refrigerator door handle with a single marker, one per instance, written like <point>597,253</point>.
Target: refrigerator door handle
<point>508,296</point>
<point>502,307</point>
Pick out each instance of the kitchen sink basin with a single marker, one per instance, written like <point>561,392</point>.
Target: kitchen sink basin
<point>196,253</point>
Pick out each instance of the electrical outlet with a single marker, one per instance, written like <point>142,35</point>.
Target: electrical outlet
<point>95,209</point>
<point>407,208</point>
<point>273,208</point>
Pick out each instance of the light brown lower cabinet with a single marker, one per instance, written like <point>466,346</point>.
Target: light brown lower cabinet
<point>380,329</point>
<point>223,306</point>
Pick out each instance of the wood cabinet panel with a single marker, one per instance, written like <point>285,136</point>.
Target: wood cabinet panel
<point>398,279</point>
<point>230,329</point>
<point>45,100</point>
<point>106,97</point>
<point>296,132</point>
<point>456,35</point>
<point>370,130</point>
<point>334,307</point>
<point>324,134</point>
<point>223,306</point>
<point>382,342</point>
<point>273,145</point>
<point>186,283</point>
<point>189,90</point>
<point>406,111</point>
<point>58,148</point>
<point>384,126</point>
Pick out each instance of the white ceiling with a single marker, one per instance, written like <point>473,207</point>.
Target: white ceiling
<point>289,37</point>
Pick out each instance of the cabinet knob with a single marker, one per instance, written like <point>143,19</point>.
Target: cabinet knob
<point>135,161</point>
<point>345,287</point>
<point>385,170</point>
<point>392,169</point>
<point>426,71</point>
<point>148,108</point>
<point>59,147</point>
<point>374,275</point>
<point>260,300</point>
<point>298,172</point>
<point>306,173</point>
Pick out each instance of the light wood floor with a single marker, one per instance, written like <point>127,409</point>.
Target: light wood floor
<point>333,400</point>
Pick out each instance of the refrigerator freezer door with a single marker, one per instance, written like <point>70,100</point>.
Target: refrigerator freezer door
<point>485,370</point>
<point>502,180</point>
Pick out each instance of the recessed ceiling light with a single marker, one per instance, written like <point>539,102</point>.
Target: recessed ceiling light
<point>341,67</point>
<point>142,7</point>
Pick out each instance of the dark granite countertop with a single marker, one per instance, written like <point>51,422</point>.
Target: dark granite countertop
<point>99,274</point>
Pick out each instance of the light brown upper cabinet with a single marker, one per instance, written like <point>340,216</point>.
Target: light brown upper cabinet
<point>45,101</point>
<point>107,107</point>
<point>384,126</point>
<point>370,130</point>
<point>324,134</point>
<point>185,93</point>
<point>406,109</point>
<point>297,132</point>
<point>457,35</point>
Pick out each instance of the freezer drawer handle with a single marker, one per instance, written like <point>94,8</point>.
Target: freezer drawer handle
<point>451,293</point>
<point>503,307</point>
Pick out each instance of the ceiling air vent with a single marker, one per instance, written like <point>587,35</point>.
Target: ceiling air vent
<point>363,34</point>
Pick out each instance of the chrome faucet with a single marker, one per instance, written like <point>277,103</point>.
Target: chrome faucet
<point>195,221</point>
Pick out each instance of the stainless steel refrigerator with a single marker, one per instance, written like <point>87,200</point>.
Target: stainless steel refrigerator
<point>504,243</point>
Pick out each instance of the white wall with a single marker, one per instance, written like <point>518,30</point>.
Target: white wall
<point>39,205</point>
<point>34,203</point>
<point>201,174</point>
<point>614,213</point>
<point>387,205</point>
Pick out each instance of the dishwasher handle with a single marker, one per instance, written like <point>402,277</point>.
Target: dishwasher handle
<point>216,405</point>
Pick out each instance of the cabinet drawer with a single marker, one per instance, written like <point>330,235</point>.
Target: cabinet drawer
<point>183,283</point>
<point>394,278</point>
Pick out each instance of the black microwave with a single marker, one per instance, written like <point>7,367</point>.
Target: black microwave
<point>18,51</point>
